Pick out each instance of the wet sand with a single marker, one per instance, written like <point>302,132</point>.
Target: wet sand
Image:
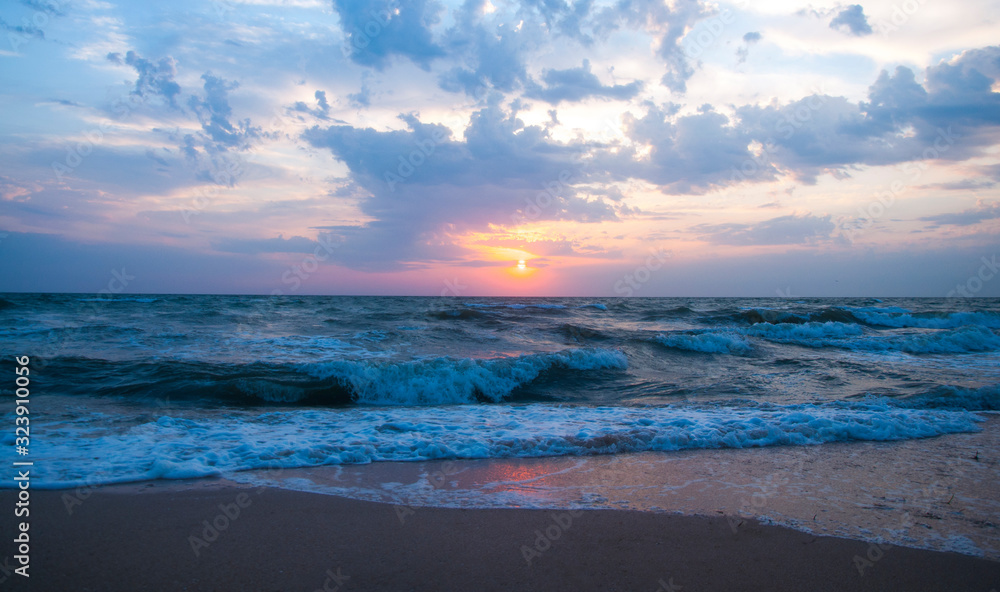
<point>159,536</point>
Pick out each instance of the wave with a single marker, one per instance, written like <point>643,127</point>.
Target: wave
<point>962,340</point>
<point>517,306</point>
<point>580,332</point>
<point>986,398</point>
<point>450,381</point>
<point>786,332</point>
<point>968,339</point>
<point>930,320</point>
<point>119,299</point>
<point>180,447</point>
<point>458,314</point>
<point>434,381</point>
<point>713,343</point>
<point>756,316</point>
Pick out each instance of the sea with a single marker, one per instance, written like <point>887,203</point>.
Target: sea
<point>134,388</point>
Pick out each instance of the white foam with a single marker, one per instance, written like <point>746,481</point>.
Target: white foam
<point>515,306</point>
<point>841,335</point>
<point>190,443</point>
<point>438,381</point>
<point>709,342</point>
<point>947,321</point>
<point>119,299</point>
<point>805,331</point>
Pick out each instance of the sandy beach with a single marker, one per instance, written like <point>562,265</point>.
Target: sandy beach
<point>160,537</point>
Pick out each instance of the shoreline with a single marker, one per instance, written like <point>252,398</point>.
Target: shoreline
<point>144,537</point>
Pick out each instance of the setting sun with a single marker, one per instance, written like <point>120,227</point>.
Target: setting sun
<point>521,265</point>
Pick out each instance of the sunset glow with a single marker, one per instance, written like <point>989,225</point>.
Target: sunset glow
<point>407,148</point>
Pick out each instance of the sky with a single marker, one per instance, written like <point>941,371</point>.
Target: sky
<point>531,148</point>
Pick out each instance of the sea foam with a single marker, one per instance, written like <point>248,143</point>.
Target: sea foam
<point>183,445</point>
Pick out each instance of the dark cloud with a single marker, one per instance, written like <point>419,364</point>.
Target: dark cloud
<point>214,112</point>
<point>576,84</point>
<point>377,30</point>
<point>490,51</point>
<point>22,30</point>
<point>52,263</point>
<point>421,184</point>
<point>493,51</point>
<point>852,19</point>
<point>963,185</point>
<point>156,79</point>
<point>322,109</point>
<point>985,211</point>
<point>362,98</point>
<point>47,6</point>
<point>689,154</point>
<point>295,244</point>
<point>670,24</point>
<point>749,39</point>
<point>784,230</point>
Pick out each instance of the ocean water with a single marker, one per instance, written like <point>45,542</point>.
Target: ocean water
<point>130,388</point>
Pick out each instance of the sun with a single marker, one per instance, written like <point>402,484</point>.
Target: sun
<point>521,269</point>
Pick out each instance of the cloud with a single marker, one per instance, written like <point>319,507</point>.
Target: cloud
<point>853,19</point>
<point>784,230</point>
<point>156,79</point>
<point>983,212</point>
<point>214,112</point>
<point>22,30</point>
<point>688,154</point>
<point>377,30</point>
<point>963,185</point>
<point>670,24</point>
<point>576,84</point>
<point>420,184</point>
<point>322,109</point>
<point>490,52</point>
<point>749,39</point>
